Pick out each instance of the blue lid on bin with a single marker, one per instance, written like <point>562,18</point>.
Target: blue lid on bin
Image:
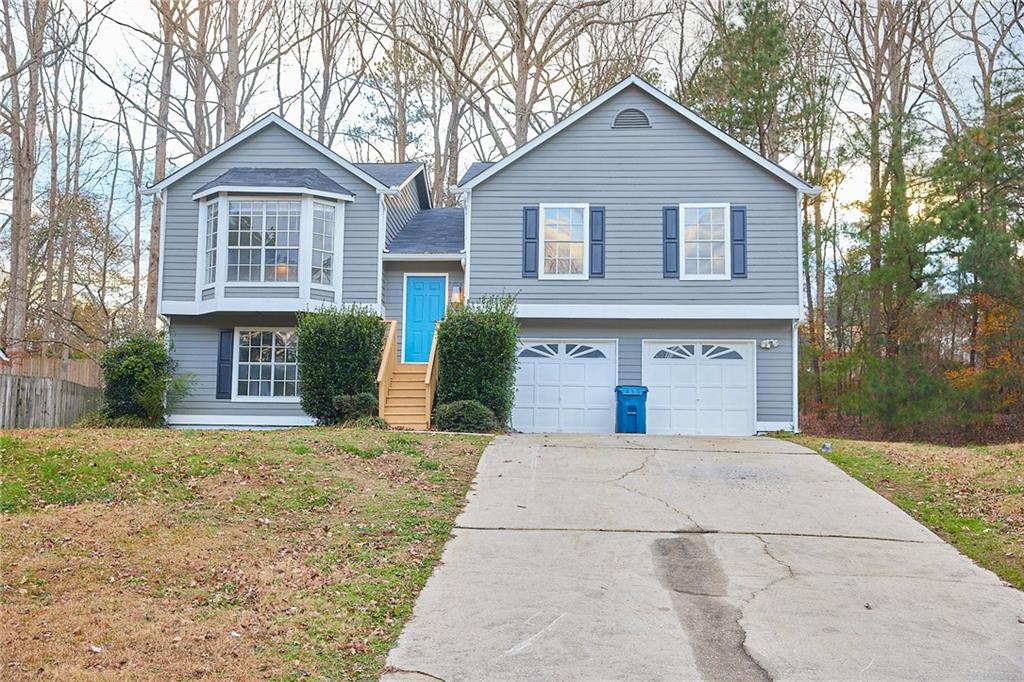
<point>631,390</point>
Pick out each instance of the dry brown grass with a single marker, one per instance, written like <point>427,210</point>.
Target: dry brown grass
<point>219,554</point>
<point>973,496</point>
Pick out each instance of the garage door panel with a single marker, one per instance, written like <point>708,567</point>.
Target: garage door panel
<point>573,373</point>
<point>736,375</point>
<point>569,387</point>
<point>699,387</point>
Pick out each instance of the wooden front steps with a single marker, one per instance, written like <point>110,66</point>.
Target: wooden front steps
<point>405,391</point>
<point>405,404</point>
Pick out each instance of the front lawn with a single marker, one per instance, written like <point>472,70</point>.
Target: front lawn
<point>972,496</point>
<point>179,554</point>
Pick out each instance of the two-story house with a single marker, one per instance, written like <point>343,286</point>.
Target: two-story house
<point>643,246</point>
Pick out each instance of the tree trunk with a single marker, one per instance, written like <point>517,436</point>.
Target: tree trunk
<point>23,156</point>
<point>232,74</point>
<point>160,160</point>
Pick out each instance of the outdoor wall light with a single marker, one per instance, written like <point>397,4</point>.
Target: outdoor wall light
<point>768,344</point>
<point>456,296</point>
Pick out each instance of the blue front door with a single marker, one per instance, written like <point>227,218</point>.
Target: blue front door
<point>424,307</point>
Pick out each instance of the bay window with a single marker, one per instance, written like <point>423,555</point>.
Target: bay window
<point>263,241</point>
<point>247,241</point>
<point>323,243</point>
<point>210,243</point>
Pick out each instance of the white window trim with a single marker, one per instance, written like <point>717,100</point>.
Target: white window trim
<point>728,242</point>
<point>585,275</point>
<point>236,357</point>
<point>405,295</point>
<point>304,282</point>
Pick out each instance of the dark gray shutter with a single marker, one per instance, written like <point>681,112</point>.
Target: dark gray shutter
<point>738,223</point>
<point>597,241</point>
<point>670,240</point>
<point>531,215</point>
<point>225,359</point>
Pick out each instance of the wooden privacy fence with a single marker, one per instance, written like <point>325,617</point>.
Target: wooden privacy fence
<point>83,371</point>
<point>36,402</point>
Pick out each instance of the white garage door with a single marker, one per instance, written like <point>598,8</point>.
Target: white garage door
<point>565,386</point>
<point>699,387</point>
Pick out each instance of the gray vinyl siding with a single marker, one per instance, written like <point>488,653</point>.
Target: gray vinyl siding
<point>321,294</point>
<point>633,173</point>
<point>774,367</point>
<point>394,283</point>
<point>400,210</point>
<point>194,349</point>
<point>271,147</point>
<point>261,292</point>
<point>209,294</point>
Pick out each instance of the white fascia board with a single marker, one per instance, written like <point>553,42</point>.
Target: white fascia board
<point>248,189</point>
<point>252,129</point>
<point>421,256</point>
<point>233,421</point>
<point>252,305</point>
<point>657,312</point>
<point>657,94</point>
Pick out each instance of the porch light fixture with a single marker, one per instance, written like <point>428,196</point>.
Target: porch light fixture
<point>768,344</point>
<point>456,296</point>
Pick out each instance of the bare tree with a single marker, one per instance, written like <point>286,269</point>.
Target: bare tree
<point>21,111</point>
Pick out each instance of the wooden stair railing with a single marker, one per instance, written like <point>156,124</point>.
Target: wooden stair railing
<point>430,379</point>
<point>387,365</point>
<point>405,390</point>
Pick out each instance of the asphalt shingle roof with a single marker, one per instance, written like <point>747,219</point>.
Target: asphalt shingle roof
<point>474,170</point>
<point>308,178</point>
<point>435,230</point>
<point>391,174</point>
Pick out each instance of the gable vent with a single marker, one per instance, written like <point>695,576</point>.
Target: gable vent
<point>631,118</point>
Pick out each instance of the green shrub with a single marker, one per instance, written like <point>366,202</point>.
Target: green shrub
<point>339,355</point>
<point>139,383</point>
<point>349,407</point>
<point>465,415</point>
<point>476,347</point>
<point>371,422</point>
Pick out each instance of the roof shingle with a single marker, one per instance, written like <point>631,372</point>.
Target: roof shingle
<point>391,174</point>
<point>475,169</point>
<point>307,178</point>
<point>436,230</point>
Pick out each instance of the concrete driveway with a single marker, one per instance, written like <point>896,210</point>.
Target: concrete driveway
<point>656,557</point>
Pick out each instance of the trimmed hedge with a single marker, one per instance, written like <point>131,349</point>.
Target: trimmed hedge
<point>476,352</point>
<point>339,355</point>
<point>349,407</point>
<point>465,415</point>
<point>138,374</point>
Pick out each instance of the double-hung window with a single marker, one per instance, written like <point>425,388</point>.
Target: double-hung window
<point>564,237</point>
<point>210,242</point>
<point>266,366</point>
<point>705,241</point>
<point>323,243</point>
<point>263,240</point>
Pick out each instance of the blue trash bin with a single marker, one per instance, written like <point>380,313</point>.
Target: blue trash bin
<point>630,409</point>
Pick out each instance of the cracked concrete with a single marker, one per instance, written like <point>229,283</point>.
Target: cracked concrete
<point>609,557</point>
